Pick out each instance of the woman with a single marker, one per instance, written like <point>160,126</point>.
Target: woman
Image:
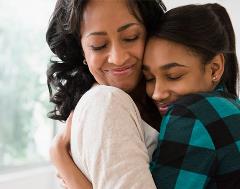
<point>102,42</point>
<point>198,142</point>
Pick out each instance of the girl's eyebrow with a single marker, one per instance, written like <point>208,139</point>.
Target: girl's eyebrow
<point>172,65</point>
<point>166,66</point>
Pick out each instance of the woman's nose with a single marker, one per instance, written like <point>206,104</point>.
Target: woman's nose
<point>118,55</point>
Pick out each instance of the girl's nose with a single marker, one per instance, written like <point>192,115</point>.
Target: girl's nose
<point>160,92</point>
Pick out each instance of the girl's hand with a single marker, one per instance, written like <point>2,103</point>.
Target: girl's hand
<point>69,174</point>
<point>61,181</point>
<point>61,142</point>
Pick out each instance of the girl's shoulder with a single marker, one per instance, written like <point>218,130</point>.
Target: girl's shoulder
<point>216,100</point>
<point>207,107</point>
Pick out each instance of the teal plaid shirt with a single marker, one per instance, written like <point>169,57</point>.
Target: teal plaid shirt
<point>199,144</point>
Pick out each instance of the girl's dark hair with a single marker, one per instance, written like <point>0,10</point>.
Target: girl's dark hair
<point>207,30</point>
<point>67,77</point>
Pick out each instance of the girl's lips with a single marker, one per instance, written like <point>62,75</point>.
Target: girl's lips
<point>163,108</point>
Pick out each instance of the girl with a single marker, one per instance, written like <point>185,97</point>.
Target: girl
<point>191,71</point>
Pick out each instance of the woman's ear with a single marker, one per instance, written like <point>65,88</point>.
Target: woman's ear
<point>217,67</point>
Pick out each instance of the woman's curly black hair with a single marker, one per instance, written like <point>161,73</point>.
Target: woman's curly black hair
<point>67,77</point>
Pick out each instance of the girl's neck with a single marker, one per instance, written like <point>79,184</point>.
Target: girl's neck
<point>146,107</point>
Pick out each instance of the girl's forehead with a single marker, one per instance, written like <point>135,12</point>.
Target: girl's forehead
<point>162,53</point>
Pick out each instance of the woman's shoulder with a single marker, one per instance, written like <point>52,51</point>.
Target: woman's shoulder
<point>102,96</point>
<point>103,91</point>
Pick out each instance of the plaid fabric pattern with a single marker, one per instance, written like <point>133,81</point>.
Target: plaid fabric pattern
<point>199,144</point>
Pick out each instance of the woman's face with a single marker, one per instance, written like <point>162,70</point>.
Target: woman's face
<point>172,70</point>
<point>113,43</point>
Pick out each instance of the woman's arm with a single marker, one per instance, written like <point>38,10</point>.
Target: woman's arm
<point>107,141</point>
<point>59,153</point>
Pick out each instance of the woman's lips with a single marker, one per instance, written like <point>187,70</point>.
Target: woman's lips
<point>122,70</point>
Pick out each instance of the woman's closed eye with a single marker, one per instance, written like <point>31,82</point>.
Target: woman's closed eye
<point>98,47</point>
<point>131,38</point>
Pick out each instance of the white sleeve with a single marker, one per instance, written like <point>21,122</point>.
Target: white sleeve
<point>107,141</point>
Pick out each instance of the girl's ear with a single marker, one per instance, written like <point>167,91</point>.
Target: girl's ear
<point>217,67</point>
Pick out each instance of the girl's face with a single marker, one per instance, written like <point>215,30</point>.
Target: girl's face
<point>172,70</point>
<point>113,43</point>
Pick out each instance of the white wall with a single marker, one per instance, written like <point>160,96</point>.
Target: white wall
<point>232,6</point>
<point>37,178</point>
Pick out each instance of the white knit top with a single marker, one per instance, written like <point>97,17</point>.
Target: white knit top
<point>110,142</point>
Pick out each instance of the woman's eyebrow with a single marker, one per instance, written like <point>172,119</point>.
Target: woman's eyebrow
<point>126,26</point>
<point>121,28</point>
<point>97,33</point>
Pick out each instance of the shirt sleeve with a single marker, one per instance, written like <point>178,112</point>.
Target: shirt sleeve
<point>199,144</point>
<point>108,141</point>
<point>185,156</point>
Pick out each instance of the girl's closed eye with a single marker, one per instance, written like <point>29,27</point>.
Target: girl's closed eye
<point>174,77</point>
<point>148,77</point>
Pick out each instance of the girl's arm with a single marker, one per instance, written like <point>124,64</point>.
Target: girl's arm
<point>59,152</point>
